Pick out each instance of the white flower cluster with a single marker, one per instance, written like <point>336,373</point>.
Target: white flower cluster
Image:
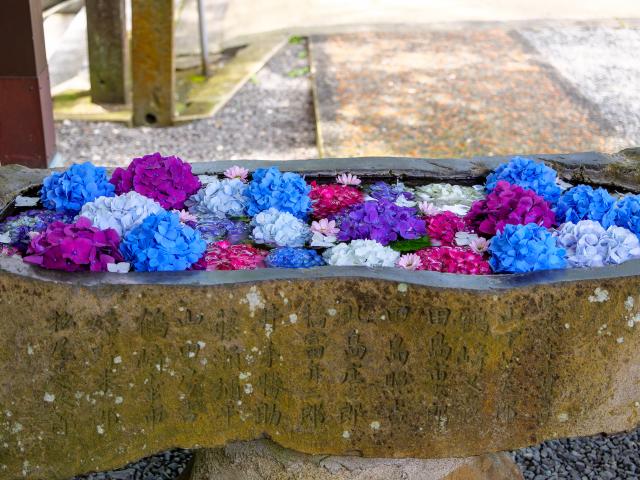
<point>447,197</point>
<point>361,252</point>
<point>588,244</point>
<point>282,229</point>
<point>220,198</point>
<point>122,213</point>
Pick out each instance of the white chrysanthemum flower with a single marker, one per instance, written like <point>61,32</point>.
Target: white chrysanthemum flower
<point>220,198</point>
<point>442,194</point>
<point>122,213</point>
<point>282,229</point>
<point>361,252</point>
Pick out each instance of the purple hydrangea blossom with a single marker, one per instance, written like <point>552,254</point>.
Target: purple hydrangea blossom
<point>388,192</point>
<point>381,221</point>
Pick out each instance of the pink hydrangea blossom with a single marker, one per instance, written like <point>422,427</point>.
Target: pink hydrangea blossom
<point>410,261</point>
<point>443,227</point>
<point>331,199</point>
<point>509,205</point>
<point>348,179</point>
<point>224,255</point>
<point>453,260</point>
<point>75,247</point>
<point>168,180</point>
<point>325,227</point>
<point>237,172</point>
<point>186,217</point>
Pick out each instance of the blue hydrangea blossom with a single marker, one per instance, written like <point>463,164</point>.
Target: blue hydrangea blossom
<point>288,257</point>
<point>525,248</point>
<point>68,191</point>
<point>288,192</point>
<point>527,174</point>
<point>625,213</point>
<point>162,243</point>
<point>583,203</point>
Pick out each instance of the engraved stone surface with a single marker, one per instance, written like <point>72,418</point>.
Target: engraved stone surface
<point>100,369</point>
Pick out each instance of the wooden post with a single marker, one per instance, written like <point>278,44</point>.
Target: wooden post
<point>152,62</point>
<point>27,134</point>
<point>107,39</point>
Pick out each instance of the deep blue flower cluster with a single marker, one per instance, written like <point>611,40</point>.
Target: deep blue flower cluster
<point>289,257</point>
<point>583,203</point>
<point>529,175</point>
<point>70,190</point>
<point>525,248</point>
<point>162,243</point>
<point>625,213</point>
<point>288,192</point>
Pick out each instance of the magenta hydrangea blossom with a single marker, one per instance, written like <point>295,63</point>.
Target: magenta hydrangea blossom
<point>509,204</point>
<point>75,247</point>
<point>452,260</point>
<point>168,180</point>
<point>443,227</point>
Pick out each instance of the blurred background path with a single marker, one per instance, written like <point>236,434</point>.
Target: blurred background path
<point>391,77</point>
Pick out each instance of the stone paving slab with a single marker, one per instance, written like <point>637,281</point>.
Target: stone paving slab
<point>449,93</point>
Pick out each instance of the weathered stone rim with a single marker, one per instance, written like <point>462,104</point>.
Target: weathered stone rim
<point>588,167</point>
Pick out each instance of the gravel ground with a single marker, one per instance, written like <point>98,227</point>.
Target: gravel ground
<point>163,466</point>
<point>270,118</point>
<point>602,457</point>
<point>602,64</point>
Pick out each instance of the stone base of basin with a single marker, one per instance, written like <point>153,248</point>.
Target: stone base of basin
<point>264,459</point>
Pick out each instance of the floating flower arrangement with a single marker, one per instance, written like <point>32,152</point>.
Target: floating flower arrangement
<point>156,215</point>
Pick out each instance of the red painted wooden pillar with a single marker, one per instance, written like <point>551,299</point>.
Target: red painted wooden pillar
<point>27,134</point>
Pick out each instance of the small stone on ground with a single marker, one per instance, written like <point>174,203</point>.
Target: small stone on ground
<point>163,466</point>
<point>601,457</point>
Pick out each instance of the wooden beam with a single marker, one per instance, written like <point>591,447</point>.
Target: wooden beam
<point>107,39</point>
<point>153,64</point>
<point>27,134</point>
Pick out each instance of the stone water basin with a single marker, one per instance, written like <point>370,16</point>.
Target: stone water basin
<point>101,369</point>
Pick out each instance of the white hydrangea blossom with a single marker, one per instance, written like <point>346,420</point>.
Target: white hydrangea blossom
<point>588,244</point>
<point>445,194</point>
<point>282,229</point>
<point>361,252</point>
<point>220,198</point>
<point>122,213</point>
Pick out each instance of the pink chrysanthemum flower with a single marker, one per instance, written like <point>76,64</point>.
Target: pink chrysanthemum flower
<point>348,179</point>
<point>453,260</point>
<point>225,256</point>
<point>509,204</point>
<point>324,227</point>
<point>410,261</point>
<point>331,199</point>
<point>237,172</point>
<point>443,227</point>
<point>480,245</point>
<point>428,209</point>
<point>186,217</point>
